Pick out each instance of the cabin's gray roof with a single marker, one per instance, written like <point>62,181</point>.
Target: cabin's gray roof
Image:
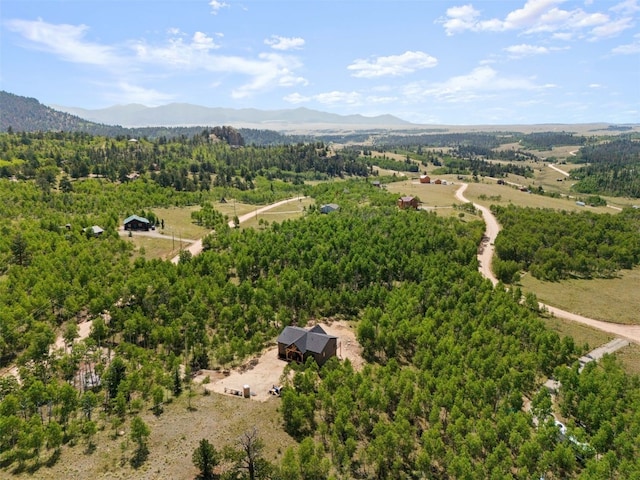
<point>330,207</point>
<point>313,340</point>
<point>291,334</point>
<point>136,217</point>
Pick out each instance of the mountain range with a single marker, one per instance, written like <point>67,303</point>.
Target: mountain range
<point>25,114</point>
<point>185,114</point>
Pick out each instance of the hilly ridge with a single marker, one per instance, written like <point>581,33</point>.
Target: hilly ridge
<point>185,114</point>
<point>25,114</point>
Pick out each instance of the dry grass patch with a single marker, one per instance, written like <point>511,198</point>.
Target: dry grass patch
<point>174,436</point>
<point>611,300</point>
<point>177,221</point>
<point>440,198</point>
<point>630,358</point>
<point>279,214</point>
<point>153,247</point>
<point>581,334</point>
<point>489,193</point>
<point>232,208</point>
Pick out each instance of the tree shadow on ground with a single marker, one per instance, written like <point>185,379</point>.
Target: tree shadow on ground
<point>139,456</point>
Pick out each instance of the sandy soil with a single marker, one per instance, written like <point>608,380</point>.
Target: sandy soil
<point>266,371</point>
<point>84,329</point>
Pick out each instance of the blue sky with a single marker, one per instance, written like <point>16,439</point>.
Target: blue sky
<point>464,62</point>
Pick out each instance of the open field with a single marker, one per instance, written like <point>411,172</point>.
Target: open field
<point>583,335</point>
<point>612,300</point>
<point>279,214</point>
<point>439,198</point>
<point>232,208</point>
<point>180,230</point>
<point>508,194</point>
<point>630,358</point>
<point>177,221</point>
<point>152,247</point>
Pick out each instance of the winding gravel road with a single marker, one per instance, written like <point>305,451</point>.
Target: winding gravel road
<point>485,257</point>
<point>196,247</point>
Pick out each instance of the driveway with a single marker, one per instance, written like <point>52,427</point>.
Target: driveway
<point>196,246</point>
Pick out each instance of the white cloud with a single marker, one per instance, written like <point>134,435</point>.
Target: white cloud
<point>333,98</point>
<point>65,41</point>
<point>530,15</point>
<point>201,41</point>
<point>177,55</point>
<point>296,98</point>
<point>626,7</point>
<point>371,99</point>
<point>270,70</point>
<point>524,50</point>
<point>481,81</point>
<point>393,65</point>
<point>629,48</point>
<point>543,16</point>
<point>216,6</point>
<point>267,71</point>
<point>338,98</point>
<point>460,19</point>
<point>611,29</point>
<point>283,43</point>
<point>177,51</point>
<point>128,93</point>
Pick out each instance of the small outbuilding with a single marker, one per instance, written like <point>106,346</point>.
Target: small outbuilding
<point>95,230</point>
<point>297,344</point>
<point>408,202</point>
<point>134,222</point>
<point>329,207</point>
<point>425,179</point>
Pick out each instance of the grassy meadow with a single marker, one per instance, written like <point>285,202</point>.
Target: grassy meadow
<point>614,300</point>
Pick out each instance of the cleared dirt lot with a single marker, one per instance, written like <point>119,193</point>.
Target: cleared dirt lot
<point>266,371</point>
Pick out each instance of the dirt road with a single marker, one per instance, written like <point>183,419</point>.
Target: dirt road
<point>485,257</point>
<point>553,167</point>
<point>485,252</point>
<point>196,246</point>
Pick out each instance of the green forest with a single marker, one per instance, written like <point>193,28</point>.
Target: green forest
<point>612,168</point>
<point>554,245</point>
<point>453,382</point>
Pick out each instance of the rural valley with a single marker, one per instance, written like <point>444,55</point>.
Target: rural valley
<point>346,303</point>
